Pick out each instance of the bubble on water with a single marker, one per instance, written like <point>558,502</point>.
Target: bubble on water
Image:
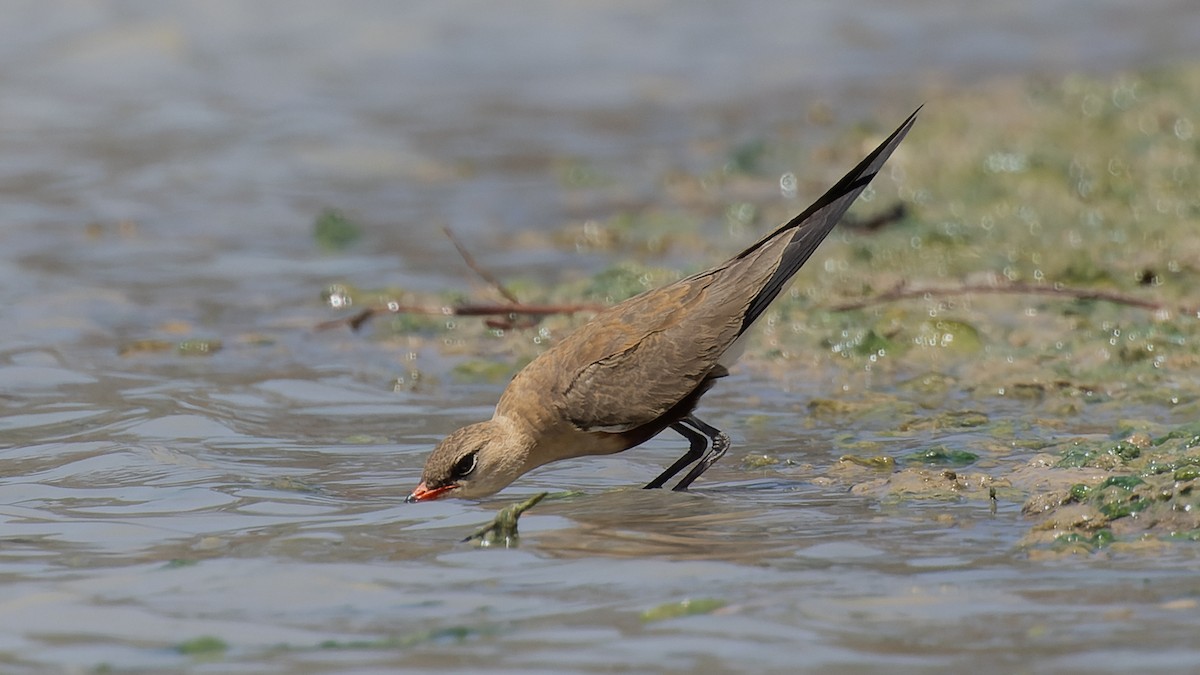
<point>1124,94</point>
<point>1184,129</point>
<point>788,185</point>
<point>339,297</point>
<point>1005,162</point>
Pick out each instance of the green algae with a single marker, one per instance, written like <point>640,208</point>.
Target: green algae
<point>449,634</point>
<point>146,346</point>
<point>763,461</point>
<point>1138,488</point>
<point>335,231</point>
<point>953,419</point>
<point>941,456</point>
<point>575,173</point>
<point>188,347</point>
<point>1126,483</point>
<point>480,370</point>
<point>929,384</point>
<point>880,462</point>
<point>1187,473</point>
<point>747,157</point>
<point>205,646</point>
<point>1087,542</point>
<point>1190,535</point>
<point>199,347</point>
<point>1102,457</point>
<point>502,531</point>
<point>675,610</point>
<point>957,336</point>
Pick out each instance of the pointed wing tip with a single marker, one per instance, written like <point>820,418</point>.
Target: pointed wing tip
<point>874,161</point>
<point>849,186</point>
<point>902,130</point>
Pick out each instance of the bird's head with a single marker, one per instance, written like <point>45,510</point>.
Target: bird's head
<point>476,461</point>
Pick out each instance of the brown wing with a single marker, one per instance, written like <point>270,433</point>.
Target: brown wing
<point>652,351</point>
<point>633,362</point>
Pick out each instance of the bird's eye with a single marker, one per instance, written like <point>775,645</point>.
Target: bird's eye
<point>465,465</point>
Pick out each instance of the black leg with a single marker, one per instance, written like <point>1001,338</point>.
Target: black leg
<point>697,441</point>
<point>720,443</point>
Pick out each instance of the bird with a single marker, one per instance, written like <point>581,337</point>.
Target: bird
<point>640,367</point>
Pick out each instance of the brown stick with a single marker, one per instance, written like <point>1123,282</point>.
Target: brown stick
<point>355,322</point>
<point>902,292</point>
<point>477,269</point>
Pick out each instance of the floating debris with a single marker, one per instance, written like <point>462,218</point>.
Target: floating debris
<point>503,529</point>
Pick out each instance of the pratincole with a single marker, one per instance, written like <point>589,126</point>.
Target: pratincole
<point>640,366</point>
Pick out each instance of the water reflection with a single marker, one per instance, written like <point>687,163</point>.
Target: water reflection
<point>657,523</point>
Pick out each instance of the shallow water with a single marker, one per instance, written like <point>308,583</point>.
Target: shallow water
<point>160,176</point>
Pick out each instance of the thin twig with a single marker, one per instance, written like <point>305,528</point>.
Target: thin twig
<point>508,312</point>
<point>902,292</point>
<point>477,269</point>
<point>353,322</point>
<point>518,309</point>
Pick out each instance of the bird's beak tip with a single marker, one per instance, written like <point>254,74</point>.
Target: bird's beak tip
<point>425,494</point>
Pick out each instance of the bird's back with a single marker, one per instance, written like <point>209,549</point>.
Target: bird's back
<point>635,361</point>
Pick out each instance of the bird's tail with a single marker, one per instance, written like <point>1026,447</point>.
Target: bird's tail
<point>816,221</point>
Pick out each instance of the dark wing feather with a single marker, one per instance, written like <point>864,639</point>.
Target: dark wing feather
<point>818,220</point>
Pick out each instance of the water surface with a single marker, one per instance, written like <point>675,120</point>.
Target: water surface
<point>241,511</point>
